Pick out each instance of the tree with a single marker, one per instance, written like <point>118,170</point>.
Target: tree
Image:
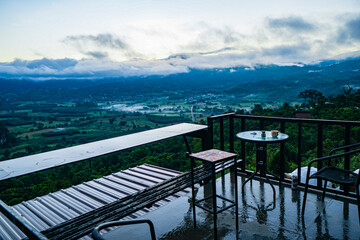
<point>111,120</point>
<point>6,138</point>
<point>257,110</point>
<point>313,96</point>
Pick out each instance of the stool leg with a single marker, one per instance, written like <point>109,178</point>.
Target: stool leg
<point>193,190</point>
<point>214,200</point>
<point>236,200</point>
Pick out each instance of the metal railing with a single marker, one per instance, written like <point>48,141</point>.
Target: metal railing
<point>231,119</point>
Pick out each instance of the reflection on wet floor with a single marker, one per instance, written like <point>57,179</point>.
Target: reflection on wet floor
<point>261,216</point>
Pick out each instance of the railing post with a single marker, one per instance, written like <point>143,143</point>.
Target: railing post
<point>211,132</point>
<point>319,150</point>
<point>299,151</point>
<point>347,158</point>
<point>231,133</point>
<point>242,154</point>
<point>262,124</point>
<point>222,147</point>
<point>90,168</point>
<point>282,152</point>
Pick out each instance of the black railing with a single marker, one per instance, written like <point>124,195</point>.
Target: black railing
<point>233,119</point>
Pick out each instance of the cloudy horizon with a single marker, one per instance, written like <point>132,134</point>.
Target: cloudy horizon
<point>118,38</point>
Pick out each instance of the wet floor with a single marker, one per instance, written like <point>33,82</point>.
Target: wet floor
<point>260,216</point>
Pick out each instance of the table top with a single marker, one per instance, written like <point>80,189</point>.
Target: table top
<point>213,155</point>
<point>255,136</point>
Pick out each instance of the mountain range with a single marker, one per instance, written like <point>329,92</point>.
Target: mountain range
<point>329,77</point>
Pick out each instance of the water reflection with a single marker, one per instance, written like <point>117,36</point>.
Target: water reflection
<point>263,217</point>
<point>261,207</point>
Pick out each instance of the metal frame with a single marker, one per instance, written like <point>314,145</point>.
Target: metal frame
<point>221,165</point>
<point>328,158</point>
<point>96,232</point>
<point>232,117</point>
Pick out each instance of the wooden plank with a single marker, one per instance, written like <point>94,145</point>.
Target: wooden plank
<point>38,162</point>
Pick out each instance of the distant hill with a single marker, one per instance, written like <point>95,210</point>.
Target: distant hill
<point>272,80</point>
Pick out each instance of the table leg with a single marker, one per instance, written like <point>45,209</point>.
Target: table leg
<point>261,158</point>
<point>193,190</point>
<point>236,200</point>
<point>214,199</point>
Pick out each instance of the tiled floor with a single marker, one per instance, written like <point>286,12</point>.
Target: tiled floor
<point>260,216</point>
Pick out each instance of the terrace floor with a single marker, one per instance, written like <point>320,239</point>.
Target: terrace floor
<point>259,216</point>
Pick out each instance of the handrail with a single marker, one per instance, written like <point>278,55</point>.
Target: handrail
<point>303,120</point>
<point>47,160</point>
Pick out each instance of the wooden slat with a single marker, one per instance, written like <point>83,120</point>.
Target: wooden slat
<point>83,224</point>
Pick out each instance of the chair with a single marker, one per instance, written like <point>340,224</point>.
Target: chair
<point>96,232</point>
<point>335,174</point>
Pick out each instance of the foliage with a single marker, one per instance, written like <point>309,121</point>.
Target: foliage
<point>89,125</point>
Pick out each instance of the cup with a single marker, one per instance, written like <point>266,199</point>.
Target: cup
<point>274,133</point>
<point>263,134</point>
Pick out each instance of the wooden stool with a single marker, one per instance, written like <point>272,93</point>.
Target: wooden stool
<point>212,157</point>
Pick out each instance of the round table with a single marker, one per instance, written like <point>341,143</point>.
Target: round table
<point>261,142</point>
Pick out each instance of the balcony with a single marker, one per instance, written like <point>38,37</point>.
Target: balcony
<point>260,215</point>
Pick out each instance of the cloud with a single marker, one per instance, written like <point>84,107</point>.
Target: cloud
<point>350,31</point>
<point>45,69</point>
<point>210,38</point>
<point>97,55</point>
<point>292,23</point>
<point>102,40</point>
<point>100,45</point>
<point>55,64</point>
<point>287,50</point>
<point>184,56</point>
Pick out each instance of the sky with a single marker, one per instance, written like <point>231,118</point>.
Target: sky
<point>88,39</point>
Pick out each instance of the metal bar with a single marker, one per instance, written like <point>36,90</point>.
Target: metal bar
<point>347,142</point>
<point>303,120</point>
<point>90,168</point>
<point>187,144</point>
<point>299,151</point>
<point>231,133</point>
<point>242,154</point>
<point>319,150</point>
<point>96,232</point>
<point>347,158</point>
<point>282,153</point>
<point>23,225</point>
<point>222,147</point>
<point>211,132</point>
<point>262,124</point>
<point>222,115</point>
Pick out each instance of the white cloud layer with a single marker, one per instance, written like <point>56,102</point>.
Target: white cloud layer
<point>160,43</point>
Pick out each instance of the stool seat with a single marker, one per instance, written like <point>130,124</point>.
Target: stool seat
<point>213,156</point>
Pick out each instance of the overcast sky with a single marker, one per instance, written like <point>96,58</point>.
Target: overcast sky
<point>67,37</point>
